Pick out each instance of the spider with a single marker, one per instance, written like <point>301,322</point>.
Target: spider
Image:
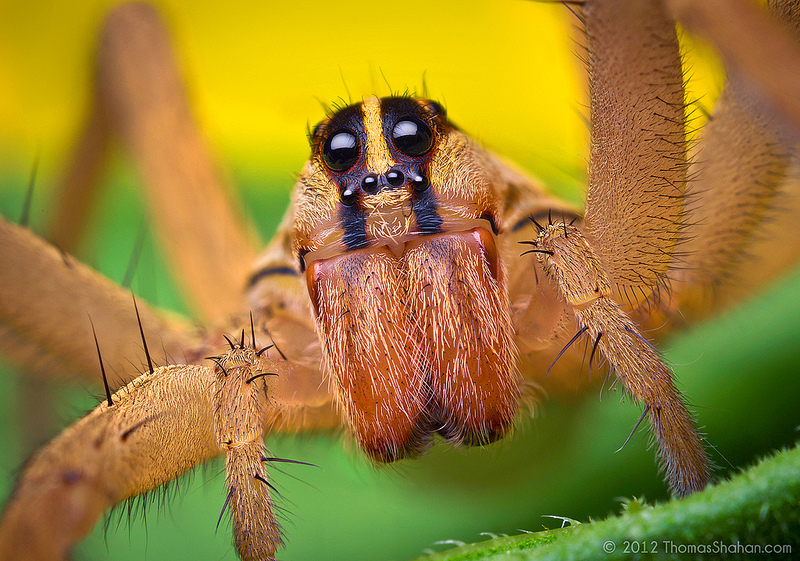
<point>485,432</point>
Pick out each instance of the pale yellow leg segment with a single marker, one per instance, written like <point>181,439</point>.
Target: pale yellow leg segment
<point>753,44</point>
<point>571,262</point>
<point>206,237</point>
<point>80,185</point>
<point>240,403</point>
<point>158,427</point>
<point>739,186</point>
<point>46,301</point>
<point>649,379</point>
<point>638,155</point>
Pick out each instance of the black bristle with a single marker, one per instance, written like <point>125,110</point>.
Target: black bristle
<point>252,330</point>
<point>286,461</point>
<point>264,349</point>
<point>216,360</point>
<point>594,350</point>
<point>268,484</point>
<point>141,331</point>
<point>545,251</point>
<point>539,227</point>
<point>639,422</point>
<point>225,506</point>
<point>233,347</point>
<point>102,368</point>
<point>249,380</point>
<point>283,356</point>
<point>133,262</point>
<point>568,345</point>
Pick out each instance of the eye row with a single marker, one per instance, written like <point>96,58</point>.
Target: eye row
<point>409,135</point>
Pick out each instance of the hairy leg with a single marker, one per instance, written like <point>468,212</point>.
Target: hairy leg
<point>157,427</point>
<point>742,189</point>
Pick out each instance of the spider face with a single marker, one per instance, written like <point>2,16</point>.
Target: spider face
<point>402,255</point>
<point>387,171</point>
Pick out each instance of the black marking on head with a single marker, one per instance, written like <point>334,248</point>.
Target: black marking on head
<point>426,212</point>
<point>411,131</point>
<point>353,220</point>
<point>348,120</point>
<point>426,123</point>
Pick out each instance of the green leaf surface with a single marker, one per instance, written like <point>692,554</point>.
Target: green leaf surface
<point>755,513</point>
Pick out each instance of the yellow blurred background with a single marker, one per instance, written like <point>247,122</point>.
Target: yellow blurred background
<point>258,72</point>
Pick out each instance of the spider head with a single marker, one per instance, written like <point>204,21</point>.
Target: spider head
<point>387,171</point>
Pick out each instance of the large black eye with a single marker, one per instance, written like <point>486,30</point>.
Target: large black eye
<point>341,150</point>
<point>412,137</point>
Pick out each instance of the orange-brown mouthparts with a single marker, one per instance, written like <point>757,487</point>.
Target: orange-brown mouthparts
<point>418,343</point>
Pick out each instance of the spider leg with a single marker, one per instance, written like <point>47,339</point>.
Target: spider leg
<point>159,427</point>
<point>633,215</point>
<point>140,98</point>
<point>753,44</point>
<point>46,302</point>
<point>742,194</point>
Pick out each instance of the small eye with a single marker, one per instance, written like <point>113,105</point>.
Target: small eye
<point>437,108</point>
<point>341,150</point>
<point>412,137</point>
<point>349,197</point>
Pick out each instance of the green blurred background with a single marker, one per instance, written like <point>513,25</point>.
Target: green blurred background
<point>257,72</point>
